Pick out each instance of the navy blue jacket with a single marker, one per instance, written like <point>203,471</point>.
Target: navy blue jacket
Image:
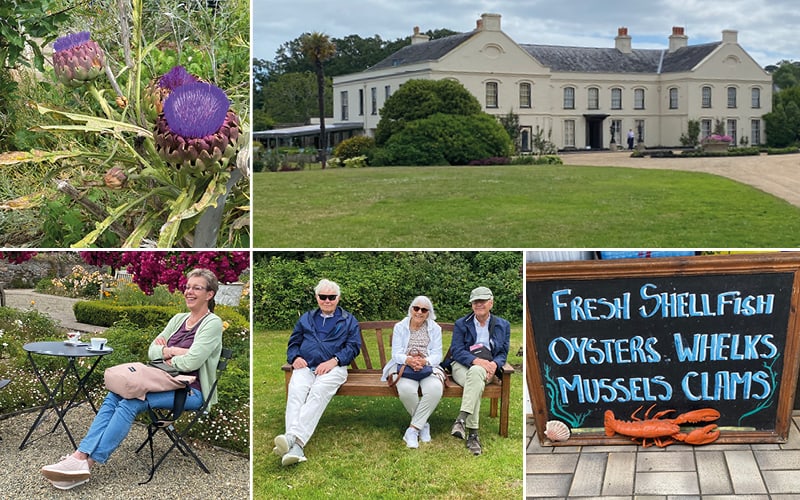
<point>464,335</point>
<point>344,341</point>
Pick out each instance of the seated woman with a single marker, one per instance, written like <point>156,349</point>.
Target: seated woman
<point>417,342</point>
<point>192,343</point>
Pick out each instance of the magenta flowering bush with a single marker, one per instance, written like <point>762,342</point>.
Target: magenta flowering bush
<point>718,138</point>
<point>150,269</point>
<point>17,257</point>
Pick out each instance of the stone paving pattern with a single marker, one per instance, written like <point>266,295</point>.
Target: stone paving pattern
<point>713,472</point>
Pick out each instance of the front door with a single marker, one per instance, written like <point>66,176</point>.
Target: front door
<point>594,131</point>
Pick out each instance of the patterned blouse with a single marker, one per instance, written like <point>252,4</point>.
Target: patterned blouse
<point>419,339</point>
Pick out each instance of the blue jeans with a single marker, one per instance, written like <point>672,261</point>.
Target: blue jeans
<point>115,418</point>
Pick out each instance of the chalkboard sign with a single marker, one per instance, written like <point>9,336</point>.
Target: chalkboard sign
<point>683,334</point>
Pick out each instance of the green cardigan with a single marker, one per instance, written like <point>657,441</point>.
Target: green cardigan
<point>204,353</point>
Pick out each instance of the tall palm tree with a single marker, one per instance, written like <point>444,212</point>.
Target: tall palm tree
<point>318,48</point>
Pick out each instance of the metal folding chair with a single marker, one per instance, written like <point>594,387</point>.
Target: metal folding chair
<point>3,383</point>
<point>164,420</point>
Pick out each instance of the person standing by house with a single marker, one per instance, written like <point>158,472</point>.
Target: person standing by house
<point>631,137</point>
<point>324,341</point>
<point>479,350</point>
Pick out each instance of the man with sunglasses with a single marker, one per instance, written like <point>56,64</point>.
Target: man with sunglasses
<point>324,341</point>
<point>479,350</point>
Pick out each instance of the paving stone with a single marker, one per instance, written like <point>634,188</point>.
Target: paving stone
<point>738,497</point>
<point>547,485</point>
<point>588,479</point>
<point>782,481</point>
<point>551,464</point>
<point>671,483</point>
<point>744,472</point>
<point>659,462</point>
<point>712,473</point>
<point>778,460</point>
<point>619,475</point>
<point>794,436</point>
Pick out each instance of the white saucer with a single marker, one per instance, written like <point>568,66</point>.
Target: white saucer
<point>107,349</point>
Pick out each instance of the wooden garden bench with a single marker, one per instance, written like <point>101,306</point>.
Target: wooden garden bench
<point>364,377</point>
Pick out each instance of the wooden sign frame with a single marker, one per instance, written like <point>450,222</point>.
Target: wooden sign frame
<point>704,266</point>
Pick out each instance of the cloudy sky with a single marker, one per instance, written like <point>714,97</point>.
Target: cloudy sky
<point>767,28</point>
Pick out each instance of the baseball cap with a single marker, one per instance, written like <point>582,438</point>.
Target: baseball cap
<point>480,293</point>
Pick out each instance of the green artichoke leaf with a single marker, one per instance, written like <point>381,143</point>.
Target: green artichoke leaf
<point>184,211</point>
<point>91,123</point>
<point>37,156</point>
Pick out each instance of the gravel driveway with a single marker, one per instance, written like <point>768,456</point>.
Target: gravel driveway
<point>178,476</point>
<point>778,175</point>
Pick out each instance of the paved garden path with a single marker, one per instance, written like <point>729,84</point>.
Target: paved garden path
<point>58,308</point>
<point>778,175</point>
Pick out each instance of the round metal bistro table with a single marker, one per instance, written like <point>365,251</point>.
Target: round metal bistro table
<point>56,391</point>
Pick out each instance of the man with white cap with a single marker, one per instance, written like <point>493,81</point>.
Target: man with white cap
<point>479,350</point>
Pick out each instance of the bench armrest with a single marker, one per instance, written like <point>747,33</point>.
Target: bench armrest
<point>286,367</point>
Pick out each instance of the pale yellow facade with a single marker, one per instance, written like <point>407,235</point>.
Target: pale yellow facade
<point>576,94</point>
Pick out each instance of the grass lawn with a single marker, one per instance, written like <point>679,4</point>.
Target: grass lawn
<point>357,450</point>
<point>515,207</point>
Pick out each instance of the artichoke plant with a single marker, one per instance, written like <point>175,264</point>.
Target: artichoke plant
<point>197,130</point>
<point>77,59</point>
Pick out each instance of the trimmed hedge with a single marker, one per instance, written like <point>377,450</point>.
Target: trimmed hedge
<point>381,285</point>
<point>100,313</point>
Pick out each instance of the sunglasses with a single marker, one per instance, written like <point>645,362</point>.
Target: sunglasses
<point>327,297</point>
<point>418,309</point>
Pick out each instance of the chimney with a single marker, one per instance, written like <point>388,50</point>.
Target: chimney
<point>479,25</point>
<point>677,40</point>
<point>418,37</point>
<point>490,22</point>
<point>623,41</point>
<point>730,36</point>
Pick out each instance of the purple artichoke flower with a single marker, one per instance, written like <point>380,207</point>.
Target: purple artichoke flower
<point>77,59</point>
<point>197,130</point>
<point>159,88</point>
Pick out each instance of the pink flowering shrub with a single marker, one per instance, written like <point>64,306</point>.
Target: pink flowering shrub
<point>718,138</point>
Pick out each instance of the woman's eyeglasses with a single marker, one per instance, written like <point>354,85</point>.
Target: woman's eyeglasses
<point>327,297</point>
<point>418,309</point>
<point>195,288</point>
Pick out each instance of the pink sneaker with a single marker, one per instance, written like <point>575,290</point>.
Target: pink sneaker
<point>69,469</point>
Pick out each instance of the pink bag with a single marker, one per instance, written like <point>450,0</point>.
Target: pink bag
<point>135,380</point>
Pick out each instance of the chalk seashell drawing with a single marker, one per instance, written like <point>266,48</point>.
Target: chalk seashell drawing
<point>555,430</point>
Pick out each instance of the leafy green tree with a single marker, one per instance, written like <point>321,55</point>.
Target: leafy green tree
<point>785,74</point>
<point>418,99</point>
<point>292,98</point>
<point>318,48</point>
<point>783,123</point>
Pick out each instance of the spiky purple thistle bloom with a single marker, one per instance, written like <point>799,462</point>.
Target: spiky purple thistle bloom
<point>197,130</point>
<point>72,40</point>
<point>176,77</point>
<point>77,59</point>
<point>196,109</point>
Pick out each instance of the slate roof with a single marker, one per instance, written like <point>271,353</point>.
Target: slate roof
<point>421,52</point>
<point>611,60</point>
<point>567,59</point>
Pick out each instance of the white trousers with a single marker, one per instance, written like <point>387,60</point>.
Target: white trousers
<point>420,408</point>
<point>308,397</point>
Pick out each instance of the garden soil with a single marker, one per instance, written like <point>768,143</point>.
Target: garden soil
<point>778,175</point>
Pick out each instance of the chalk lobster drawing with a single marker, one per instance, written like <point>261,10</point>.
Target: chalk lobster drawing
<point>664,431</point>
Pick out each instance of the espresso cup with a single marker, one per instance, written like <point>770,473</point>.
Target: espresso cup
<point>73,337</point>
<point>98,343</point>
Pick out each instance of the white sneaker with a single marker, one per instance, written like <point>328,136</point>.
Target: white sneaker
<point>283,443</point>
<point>411,437</point>
<point>294,455</point>
<point>425,433</point>
<point>68,485</point>
<point>68,469</point>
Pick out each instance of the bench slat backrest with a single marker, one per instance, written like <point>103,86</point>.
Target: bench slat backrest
<point>377,328</point>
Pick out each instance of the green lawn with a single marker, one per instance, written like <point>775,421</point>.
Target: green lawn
<point>357,450</point>
<point>515,207</point>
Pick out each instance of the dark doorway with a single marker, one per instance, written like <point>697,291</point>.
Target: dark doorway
<point>594,130</point>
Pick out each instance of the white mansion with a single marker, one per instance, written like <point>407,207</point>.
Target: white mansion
<point>578,94</point>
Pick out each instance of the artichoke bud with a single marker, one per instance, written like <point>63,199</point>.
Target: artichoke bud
<point>197,130</point>
<point>77,59</point>
<point>115,178</point>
